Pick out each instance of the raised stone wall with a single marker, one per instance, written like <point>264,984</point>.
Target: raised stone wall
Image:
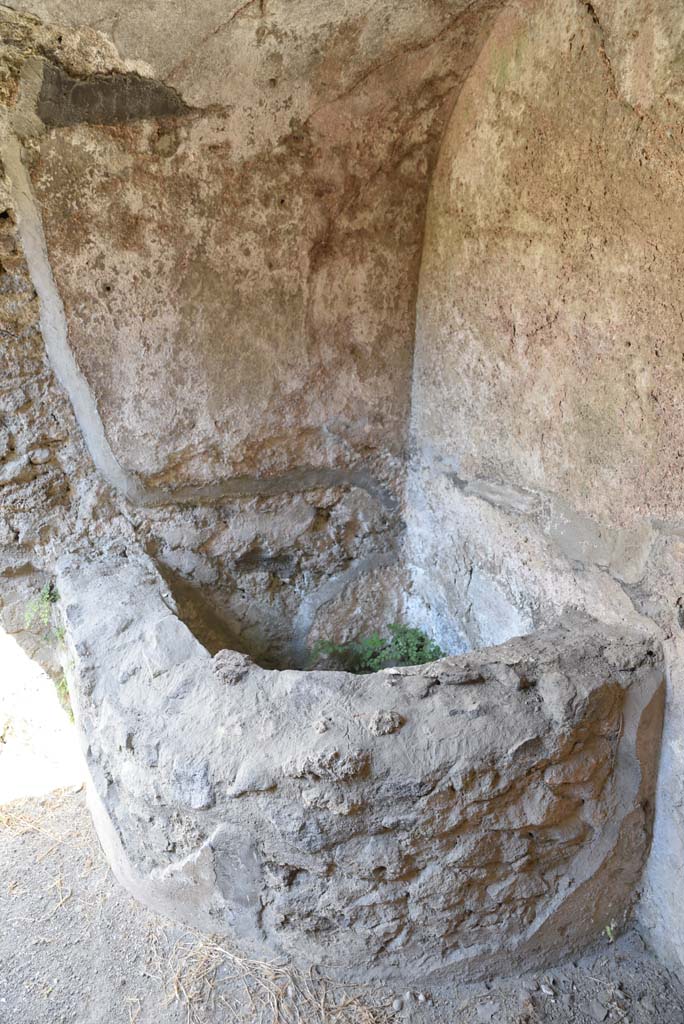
<point>484,810</point>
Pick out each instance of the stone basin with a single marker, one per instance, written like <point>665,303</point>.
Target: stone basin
<point>487,810</point>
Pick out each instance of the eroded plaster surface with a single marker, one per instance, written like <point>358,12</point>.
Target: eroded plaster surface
<point>253,257</point>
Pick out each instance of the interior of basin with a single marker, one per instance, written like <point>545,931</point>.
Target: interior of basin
<point>471,563</point>
<point>271,612</point>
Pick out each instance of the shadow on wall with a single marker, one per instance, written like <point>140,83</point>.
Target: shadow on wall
<point>211,625</point>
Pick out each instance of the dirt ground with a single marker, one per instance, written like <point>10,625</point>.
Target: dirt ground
<point>76,949</point>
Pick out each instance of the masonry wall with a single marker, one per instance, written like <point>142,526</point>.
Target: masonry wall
<point>223,218</point>
<point>547,412</point>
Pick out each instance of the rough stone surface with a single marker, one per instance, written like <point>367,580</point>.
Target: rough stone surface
<point>488,807</point>
<point>143,963</point>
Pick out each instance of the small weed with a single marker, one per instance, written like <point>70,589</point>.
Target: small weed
<point>39,613</point>
<point>611,931</point>
<point>62,688</point>
<point>405,645</point>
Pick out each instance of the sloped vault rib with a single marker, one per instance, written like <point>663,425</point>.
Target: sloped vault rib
<point>54,326</point>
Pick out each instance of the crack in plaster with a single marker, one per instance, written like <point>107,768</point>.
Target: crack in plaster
<point>182,65</point>
<point>327,592</point>
<point>407,51</point>
<point>605,59</point>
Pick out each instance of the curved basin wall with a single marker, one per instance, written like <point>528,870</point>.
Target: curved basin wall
<point>486,809</point>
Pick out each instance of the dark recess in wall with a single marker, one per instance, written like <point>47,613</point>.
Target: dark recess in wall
<point>103,99</point>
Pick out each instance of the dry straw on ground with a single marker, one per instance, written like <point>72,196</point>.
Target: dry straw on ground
<point>204,975</point>
<point>21,818</point>
<point>208,975</point>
